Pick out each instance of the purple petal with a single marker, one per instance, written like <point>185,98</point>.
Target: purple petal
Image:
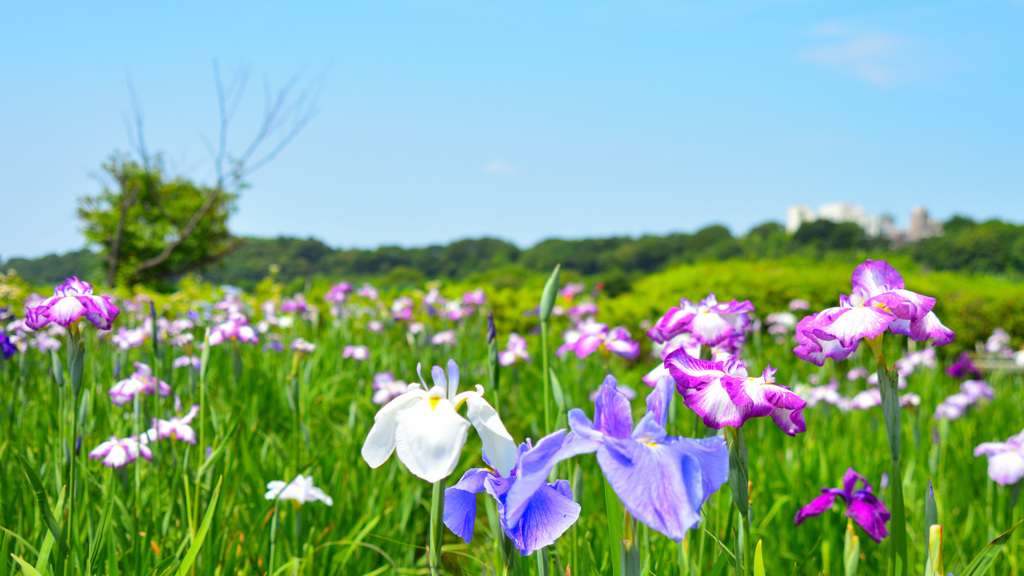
<point>875,277</point>
<point>647,478</point>
<point>548,514</point>
<point>612,415</point>
<point>659,399</point>
<point>928,327</point>
<point>536,464</point>
<point>815,507</point>
<point>850,325</point>
<point>871,515</point>
<point>460,502</point>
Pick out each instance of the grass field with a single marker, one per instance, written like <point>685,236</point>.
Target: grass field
<point>269,415</point>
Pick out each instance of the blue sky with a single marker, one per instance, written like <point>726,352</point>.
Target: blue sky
<point>449,119</point>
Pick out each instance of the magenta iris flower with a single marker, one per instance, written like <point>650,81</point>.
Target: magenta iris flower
<point>338,293</point>
<point>117,452</point>
<point>1005,459</point>
<point>445,337</point>
<point>572,290</point>
<point>861,505</point>
<point>971,392</point>
<point>141,381</point>
<point>662,480</point>
<point>176,428</point>
<point>591,335</point>
<point>236,327</point>
<point>189,360</point>
<point>474,298</point>
<point>544,512</point>
<point>710,321</point>
<point>70,302</point>
<point>878,302</point>
<point>126,339</point>
<point>722,393</point>
<point>302,346</point>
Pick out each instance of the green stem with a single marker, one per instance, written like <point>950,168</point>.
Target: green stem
<point>546,367</point>
<point>887,382</point>
<point>436,527</point>
<point>738,482</point>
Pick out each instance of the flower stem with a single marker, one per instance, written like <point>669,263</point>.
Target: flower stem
<point>888,384</point>
<point>738,482</point>
<point>436,527</point>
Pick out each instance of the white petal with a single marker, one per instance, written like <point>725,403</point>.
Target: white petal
<point>380,442</point>
<point>499,447</point>
<point>429,437</point>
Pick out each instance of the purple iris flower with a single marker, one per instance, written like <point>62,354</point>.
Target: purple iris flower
<point>1005,459</point>
<point>878,302</point>
<point>188,360</point>
<point>236,327</point>
<point>662,480</point>
<point>126,339</point>
<point>971,392</point>
<point>141,381</point>
<point>445,337</point>
<point>302,346</point>
<point>544,513</point>
<point>70,302</point>
<point>963,368</point>
<point>338,293</point>
<point>514,351</point>
<point>710,321</point>
<point>117,452</point>
<point>591,335</point>
<point>998,341</point>
<point>359,352</point>
<point>722,393</point>
<point>368,291</point>
<point>572,290</point>
<point>861,505</point>
<point>386,388</point>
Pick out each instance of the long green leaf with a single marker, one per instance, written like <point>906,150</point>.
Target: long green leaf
<point>44,552</point>
<point>983,561</point>
<point>887,383</point>
<point>931,516</point>
<point>613,510</point>
<point>26,568</point>
<point>193,552</point>
<point>758,560</point>
<point>547,298</point>
<point>44,507</point>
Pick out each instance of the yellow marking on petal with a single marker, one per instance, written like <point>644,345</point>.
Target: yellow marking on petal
<point>651,444</point>
<point>433,402</point>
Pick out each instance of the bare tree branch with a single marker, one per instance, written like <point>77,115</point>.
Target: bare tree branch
<point>182,235</point>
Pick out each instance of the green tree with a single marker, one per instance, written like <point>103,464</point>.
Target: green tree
<point>151,226</point>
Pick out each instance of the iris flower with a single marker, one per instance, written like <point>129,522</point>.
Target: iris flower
<point>360,353</point>
<point>544,513</point>
<point>141,381</point>
<point>963,368</point>
<point>971,392</point>
<point>338,293</point>
<point>189,360</point>
<point>1005,459</point>
<point>662,480</point>
<point>723,394</point>
<point>300,489</point>
<point>7,348</point>
<point>117,452</point>
<point>176,428</point>
<point>367,291</point>
<point>428,432</point>
<point>591,335</point>
<point>445,337</point>
<point>861,505</point>
<point>515,350</point>
<point>474,297</point>
<point>301,346</point>
<point>878,302</point>
<point>711,322</point>
<point>236,327</point>
<point>70,302</point>
<point>387,388</point>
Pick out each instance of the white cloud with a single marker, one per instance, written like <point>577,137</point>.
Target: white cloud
<point>500,168</point>
<point>870,56</point>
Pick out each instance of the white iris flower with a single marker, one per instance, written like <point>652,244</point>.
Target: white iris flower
<point>429,433</point>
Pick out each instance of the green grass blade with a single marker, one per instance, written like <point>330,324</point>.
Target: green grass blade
<point>758,560</point>
<point>44,552</point>
<point>887,383</point>
<point>613,509</point>
<point>193,552</point>
<point>931,516</point>
<point>983,561</point>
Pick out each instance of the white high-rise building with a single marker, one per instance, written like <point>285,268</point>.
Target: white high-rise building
<point>796,216</point>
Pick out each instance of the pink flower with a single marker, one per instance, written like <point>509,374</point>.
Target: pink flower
<point>360,353</point>
<point>70,302</point>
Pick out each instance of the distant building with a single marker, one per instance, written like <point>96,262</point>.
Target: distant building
<point>922,225</point>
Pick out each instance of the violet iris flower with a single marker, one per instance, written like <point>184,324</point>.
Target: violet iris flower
<point>445,337</point>
<point>722,393</point>
<point>7,349</point>
<point>70,302</point>
<point>998,341</point>
<point>182,361</point>
<point>963,368</point>
<point>1005,459</point>
<point>515,350</point>
<point>547,511</point>
<point>861,505</point>
<point>878,302</point>
<point>302,346</point>
<point>572,290</point>
<point>662,480</point>
<point>710,322</point>
<point>971,392</point>
<point>368,291</point>
<point>685,341</point>
<point>236,327</point>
